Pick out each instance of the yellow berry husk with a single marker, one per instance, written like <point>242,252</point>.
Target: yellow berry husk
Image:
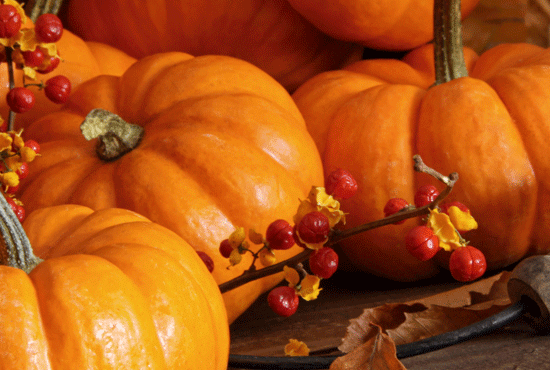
<point>27,154</point>
<point>237,237</point>
<point>235,257</point>
<point>10,179</point>
<point>267,257</point>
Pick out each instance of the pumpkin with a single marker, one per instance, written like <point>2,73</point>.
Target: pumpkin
<point>80,62</point>
<point>378,24</point>
<point>490,123</point>
<point>224,147</point>
<point>269,34</point>
<point>113,291</point>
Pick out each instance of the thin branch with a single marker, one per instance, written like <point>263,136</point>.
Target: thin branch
<point>339,235</point>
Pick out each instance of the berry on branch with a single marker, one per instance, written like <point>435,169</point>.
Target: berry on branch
<point>313,228</point>
<point>341,184</point>
<point>422,243</point>
<point>48,28</point>
<point>425,195</point>
<point>279,235</point>
<point>467,263</point>
<point>323,262</point>
<point>57,89</point>
<point>20,99</point>
<point>10,21</point>
<point>283,300</point>
<point>393,206</point>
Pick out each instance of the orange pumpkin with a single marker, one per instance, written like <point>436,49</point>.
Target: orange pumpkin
<point>492,127</point>
<point>377,24</point>
<point>269,34</point>
<point>224,146</point>
<point>114,291</point>
<point>81,61</point>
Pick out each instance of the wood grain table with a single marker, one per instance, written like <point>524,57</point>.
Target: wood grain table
<point>322,323</point>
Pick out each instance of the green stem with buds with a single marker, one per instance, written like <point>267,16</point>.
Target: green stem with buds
<point>448,52</point>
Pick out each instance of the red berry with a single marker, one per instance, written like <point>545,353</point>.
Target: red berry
<point>323,262</point>
<point>33,145</point>
<point>341,184</point>
<point>17,209</point>
<point>393,206</point>
<point>467,263</point>
<point>422,243</point>
<point>23,170</point>
<point>12,189</point>
<point>314,228</point>
<point>10,21</point>
<point>49,65</point>
<point>283,300</point>
<point>20,99</point>
<point>225,248</point>
<point>279,235</point>
<point>33,58</point>
<point>425,195</point>
<point>57,89</point>
<point>207,260</point>
<point>48,28</point>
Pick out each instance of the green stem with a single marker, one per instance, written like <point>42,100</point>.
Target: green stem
<point>18,251</point>
<point>448,53</point>
<point>35,8</point>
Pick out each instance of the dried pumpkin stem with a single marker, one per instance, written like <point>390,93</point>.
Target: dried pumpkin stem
<point>35,8</point>
<point>16,248</point>
<point>116,136</point>
<point>448,53</point>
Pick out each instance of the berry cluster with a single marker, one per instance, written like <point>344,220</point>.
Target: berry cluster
<point>15,155</point>
<point>442,230</point>
<point>313,224</point>
<point>34,51</point>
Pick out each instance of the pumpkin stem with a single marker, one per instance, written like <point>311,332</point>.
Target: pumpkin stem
<point>448,54</point>
<point>116,136</point>
<point>35,8</point>
<point>17,251</point>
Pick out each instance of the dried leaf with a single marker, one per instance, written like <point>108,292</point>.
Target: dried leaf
<point>378,352</point>
<point>412,321</point>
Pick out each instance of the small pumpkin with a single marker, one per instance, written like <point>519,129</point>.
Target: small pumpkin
<point>269,34</point>
<point>491,126</point>
<point>224,147</point>
<point>80,61</point>
<point>113,291</point>
<point>395,25</point>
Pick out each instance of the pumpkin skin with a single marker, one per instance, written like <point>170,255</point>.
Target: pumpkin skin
<point>269,34</point>
<point>492,128</point>
<point>224,147</point>
<point>81,61</point>
<point>386,25</point>
<point>115,291</point>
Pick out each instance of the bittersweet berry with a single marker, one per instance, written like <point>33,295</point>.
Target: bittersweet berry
<point>341,184</point>
<point>283,300</point>
<point>323,262</point>
<point>467,263</point>
<point>57,89</point>
<point>17,209</point>
<point>225,248</point>
<point>393,206</point>
<point>20,99</point>
<point>33,145</point>
<point>425,195</point>
<point>48,28</point>
<point>33,58</point>
<point>10,21</point>
<point>314,228</point>
<point>422,243</point>
<point>49,65</point>
<point>279,235</point>
<point>207,260</point>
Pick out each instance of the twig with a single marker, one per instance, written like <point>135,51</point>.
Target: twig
<point>339,235</point>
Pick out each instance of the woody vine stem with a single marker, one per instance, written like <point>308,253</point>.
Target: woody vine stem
<point>337,235</point>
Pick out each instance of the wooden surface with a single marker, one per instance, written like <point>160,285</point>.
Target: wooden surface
<point>322,323</point>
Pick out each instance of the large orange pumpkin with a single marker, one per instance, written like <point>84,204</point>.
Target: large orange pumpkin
<point>378,24</point>
<point>81,61</point>
<point>269,34</point>
<point>224,146</point>
<point>492,127</point>
<point>114,291</point>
